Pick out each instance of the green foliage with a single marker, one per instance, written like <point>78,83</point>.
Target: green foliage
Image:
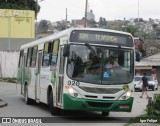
<point>131,29</point>
<point>141,34</point>
<point>135,31</point>
<point>5,5</point>
<point>116,27</point>
<point>153,108</point>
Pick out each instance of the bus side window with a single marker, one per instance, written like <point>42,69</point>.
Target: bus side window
<point>34,56</point>
<point>28,57</point>
<point>46,53</point>
<point>20,58</point>
<point>55,52</point>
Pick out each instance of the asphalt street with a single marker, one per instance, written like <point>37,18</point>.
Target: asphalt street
<point>17,108</point>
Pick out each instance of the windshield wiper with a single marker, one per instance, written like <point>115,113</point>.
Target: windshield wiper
<point>90,48</point>
<point>116,51</point>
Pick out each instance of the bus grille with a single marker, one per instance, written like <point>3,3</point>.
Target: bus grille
<point>101,90</point>
<point>99,104</point>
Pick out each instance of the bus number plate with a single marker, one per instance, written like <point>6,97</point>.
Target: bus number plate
<point>74,83</point>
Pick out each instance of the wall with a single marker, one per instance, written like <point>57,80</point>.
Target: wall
<point>8,64</point>
<point>19,26</point>
<point>15,43</point>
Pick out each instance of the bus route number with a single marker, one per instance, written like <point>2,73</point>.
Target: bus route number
<point>74,83</point>
<point>83,36</point>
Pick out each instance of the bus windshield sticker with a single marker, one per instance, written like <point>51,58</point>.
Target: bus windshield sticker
<point>125,87</point>
<point>106,74</point>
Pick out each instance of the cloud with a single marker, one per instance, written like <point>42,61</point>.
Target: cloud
<point>55,10</point>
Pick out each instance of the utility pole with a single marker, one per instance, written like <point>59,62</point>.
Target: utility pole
<point>85,25</point>
<point>138,13</point>
<point>66,18</point>
<point>36,26</point>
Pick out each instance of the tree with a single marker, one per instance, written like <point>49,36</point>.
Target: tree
<point>155,26</point>
<point>92,24</point>
<point>140,20</point>
<point>43,26</point>
<point>131,29</point>
<point>135,31</point>
<point>102,22</point>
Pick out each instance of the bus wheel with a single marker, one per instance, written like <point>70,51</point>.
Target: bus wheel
<point>53,110</point>
<point>105,113</point>
<point>26,99</point>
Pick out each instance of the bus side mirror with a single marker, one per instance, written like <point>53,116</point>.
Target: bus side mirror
<point>137,56</point>
<point>66,50</point>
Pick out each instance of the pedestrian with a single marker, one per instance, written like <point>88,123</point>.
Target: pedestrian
<point>144,85</point>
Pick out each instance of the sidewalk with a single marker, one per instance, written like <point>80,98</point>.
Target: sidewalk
<point>2,103</point>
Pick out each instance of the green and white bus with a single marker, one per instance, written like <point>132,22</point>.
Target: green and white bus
<point>68,71</point>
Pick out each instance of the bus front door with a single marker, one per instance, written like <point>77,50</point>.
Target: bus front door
<point>60,79</point>
<point>23,73</point>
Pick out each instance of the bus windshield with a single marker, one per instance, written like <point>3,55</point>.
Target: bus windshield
<point>100,64</point>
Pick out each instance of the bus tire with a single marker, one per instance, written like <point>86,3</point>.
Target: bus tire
<point>105,113</point>
<point>27,100</point>
<point>53,110</point>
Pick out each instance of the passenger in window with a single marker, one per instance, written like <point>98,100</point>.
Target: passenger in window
<point>111,62</point>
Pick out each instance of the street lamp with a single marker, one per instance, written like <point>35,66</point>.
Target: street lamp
<point>138,12</point>
<point>9,28</point>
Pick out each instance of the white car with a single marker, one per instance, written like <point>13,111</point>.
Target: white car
<point>137,80</point>
<point>152,83</point>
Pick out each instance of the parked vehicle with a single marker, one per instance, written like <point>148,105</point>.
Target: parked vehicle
<point>137,80</point>
<point>152,83</point>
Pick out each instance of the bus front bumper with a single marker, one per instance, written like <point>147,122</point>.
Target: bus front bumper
<point>71,103</point>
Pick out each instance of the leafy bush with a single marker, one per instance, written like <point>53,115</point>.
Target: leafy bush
<point>153,107</point>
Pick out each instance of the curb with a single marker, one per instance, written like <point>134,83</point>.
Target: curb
<point>2,103</point>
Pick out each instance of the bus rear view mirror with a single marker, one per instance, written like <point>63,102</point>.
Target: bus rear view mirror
<point>66,50</point>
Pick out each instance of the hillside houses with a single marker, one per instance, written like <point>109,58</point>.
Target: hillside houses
<point>149,65</point>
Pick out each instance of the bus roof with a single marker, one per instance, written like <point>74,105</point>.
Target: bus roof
<point>67,33</point>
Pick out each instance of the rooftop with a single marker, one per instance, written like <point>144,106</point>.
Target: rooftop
<point>153,60</point>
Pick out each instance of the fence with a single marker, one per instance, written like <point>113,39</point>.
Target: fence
<point>8,64</point>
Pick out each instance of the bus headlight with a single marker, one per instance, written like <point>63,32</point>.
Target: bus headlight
<point>126,95</point>
<point>72,92</point>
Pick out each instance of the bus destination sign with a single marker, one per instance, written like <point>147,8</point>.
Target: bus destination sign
<point>101,37</point>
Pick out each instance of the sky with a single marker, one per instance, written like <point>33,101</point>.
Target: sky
<point>55,10</point>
